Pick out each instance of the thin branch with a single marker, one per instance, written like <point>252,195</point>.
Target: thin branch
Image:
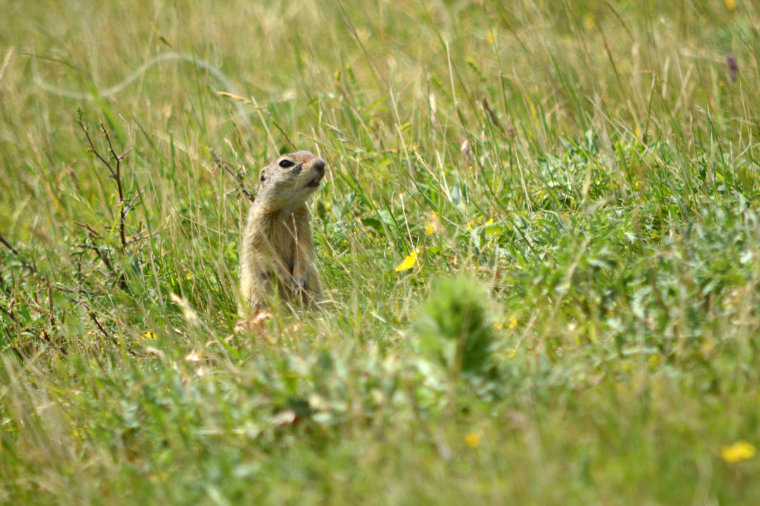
<point>491,114</point>
<point>13,318</point>
<point>13,250</point>
<point>13,342</point>
<point>93,233</point>
<point>8,245</point>
<point>50,303</point>
<point>115,173</point>
<point>117,159</point>
<point>92,147</point>
<point>235,176</point>
<point>140,236</point>
<point>102,255</point>
<point>8,313</point>
<point>128,207</point>
<point>102,329</point>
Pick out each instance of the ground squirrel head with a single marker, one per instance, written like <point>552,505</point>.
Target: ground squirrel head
<point>289,180</point>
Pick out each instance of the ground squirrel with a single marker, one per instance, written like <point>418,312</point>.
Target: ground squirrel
<point>277,253</point>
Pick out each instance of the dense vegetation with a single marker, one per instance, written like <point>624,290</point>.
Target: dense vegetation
<point>540,234</point>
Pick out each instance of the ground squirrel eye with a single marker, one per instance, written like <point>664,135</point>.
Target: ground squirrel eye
<point>286,163</point>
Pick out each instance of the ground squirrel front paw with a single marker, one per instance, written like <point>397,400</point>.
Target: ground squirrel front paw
<point>298,286</point>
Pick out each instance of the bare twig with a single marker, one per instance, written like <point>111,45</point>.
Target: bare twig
<point>491,114</point>
<point>51,313</point>
<point>128,207</point>
<point>13,342</point>
<point>140,236</point>
<point>235,176</point>
<point>102,329</point>
<point>92,147</point>
<point>31,268</point>
<point>509,131</point>
<point>115,171</point>
<point>94,233</point>
<point>8,245</point>
<point>9,313</point>
<point>101,254</point>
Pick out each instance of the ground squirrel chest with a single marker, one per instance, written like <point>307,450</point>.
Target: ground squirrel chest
<point>277,249</point>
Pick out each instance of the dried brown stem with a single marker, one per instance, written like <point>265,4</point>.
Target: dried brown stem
<point>31,268</point>
<point>8,245</point>
<point>13,318</point>
<point>115,171</point>
<point>94,233</point>
<point>235,176</point>
<point>102,329</point>
<point>491,114</point>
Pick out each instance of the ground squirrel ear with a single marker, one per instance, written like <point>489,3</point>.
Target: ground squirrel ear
<point>263,176</point>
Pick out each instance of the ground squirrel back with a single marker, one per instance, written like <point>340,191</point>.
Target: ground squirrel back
<point>277,252</point>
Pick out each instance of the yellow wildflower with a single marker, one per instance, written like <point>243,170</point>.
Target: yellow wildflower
<point>409,262</point>
<point>509,323</point>
<point>471,224</point>
<point>433,225</point>
<point>731,4</point>
<point>741,450</point>
<point>149,336</point>
<point>473,439</point>
<point>189,275</point>
<point>588,21</point>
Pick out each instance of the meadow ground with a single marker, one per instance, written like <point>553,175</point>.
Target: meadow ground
<point>540,234</point>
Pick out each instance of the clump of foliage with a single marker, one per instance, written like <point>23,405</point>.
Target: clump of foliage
<point>455,326</point>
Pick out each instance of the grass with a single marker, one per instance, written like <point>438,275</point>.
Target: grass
<point>570,190</point>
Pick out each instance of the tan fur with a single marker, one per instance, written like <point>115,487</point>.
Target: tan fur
<point>277,252</point>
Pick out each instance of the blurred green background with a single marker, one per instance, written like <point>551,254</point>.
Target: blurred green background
<point>538,232</point>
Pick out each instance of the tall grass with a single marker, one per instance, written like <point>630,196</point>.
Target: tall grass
<point>593,165</point>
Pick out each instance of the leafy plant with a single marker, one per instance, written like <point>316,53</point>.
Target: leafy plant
<point>455,326</point>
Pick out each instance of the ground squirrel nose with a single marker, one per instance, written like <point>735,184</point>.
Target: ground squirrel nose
<point>319,165</point>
